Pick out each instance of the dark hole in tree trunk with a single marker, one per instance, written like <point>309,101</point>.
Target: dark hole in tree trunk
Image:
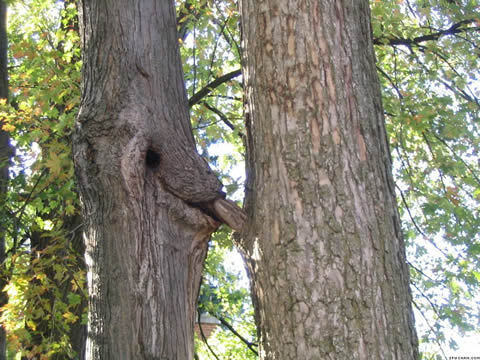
<point>152,159</point>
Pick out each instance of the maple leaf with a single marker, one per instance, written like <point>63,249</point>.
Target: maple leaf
<point>54,163</point>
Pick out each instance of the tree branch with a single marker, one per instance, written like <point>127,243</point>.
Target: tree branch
<point>453,88</point>
<point>432,305</point>
<point>204,338</point>
<point>199,95</point>
<point>430,326</point>
<point>230,327</point>
<point>439,283</point>
<point>420,231</point>
<point>229,213</point>
<point>220,115</point>
<point>472,171</point>
<point>390,80</point>
<point>452,30</point>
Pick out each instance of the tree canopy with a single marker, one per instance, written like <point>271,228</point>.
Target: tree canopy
<point>428,55</point>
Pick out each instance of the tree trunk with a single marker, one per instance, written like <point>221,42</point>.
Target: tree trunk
<point>323,238</point>
<point>78,331</point>
<point>145,191</point>
<point>5,155</point>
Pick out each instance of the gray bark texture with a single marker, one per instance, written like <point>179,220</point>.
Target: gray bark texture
<point>5,155</point>
<point>323,243</point>
<point>146,193</point>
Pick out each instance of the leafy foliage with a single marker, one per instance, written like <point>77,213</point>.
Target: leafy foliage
<point>225,297</point>
<point>428,61</point>
<point>44,269</point>
<point>46,300</point>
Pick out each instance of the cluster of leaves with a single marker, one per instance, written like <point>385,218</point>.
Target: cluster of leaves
<point>46,300</point>
<point>44,269</point>
<point>210,49</point>
<point>225,296</point>
<point>428,59</point>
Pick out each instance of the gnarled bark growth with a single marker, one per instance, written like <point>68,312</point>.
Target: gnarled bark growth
<point>149,199</point>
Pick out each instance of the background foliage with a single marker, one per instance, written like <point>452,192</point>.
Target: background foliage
<point>428,54</point>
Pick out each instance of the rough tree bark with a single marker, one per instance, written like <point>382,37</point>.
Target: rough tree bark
<point>5,154</point>
<point>150,201</point>
<point>323,238</point>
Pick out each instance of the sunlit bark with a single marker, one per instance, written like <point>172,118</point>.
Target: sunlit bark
<point>323,240</point>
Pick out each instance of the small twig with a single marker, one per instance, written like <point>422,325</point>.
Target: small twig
<point>431,328</point>
<point>18,219</point>
<point>470,97</point>
<point>220,115</point>
<point>434,306</point>
<point>427,276</point>
<point>194,58</point>
<point>420,231</point>
<point>29,196</point>
<point>400,96</point>
<point>234,98</point>
<point>235,332</point>
<point>204,338</point>
<point>456,156</point>
<point>453,87</point>
<point>214,52</point>
<point>188,11</point>
<point>199,127</point>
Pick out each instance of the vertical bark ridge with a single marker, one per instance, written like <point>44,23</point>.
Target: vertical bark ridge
<point>137,172</point>
<point>327,259</point>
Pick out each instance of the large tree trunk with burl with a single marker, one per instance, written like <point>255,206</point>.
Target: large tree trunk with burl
<point>323,240</point>
<point>150,201</point>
